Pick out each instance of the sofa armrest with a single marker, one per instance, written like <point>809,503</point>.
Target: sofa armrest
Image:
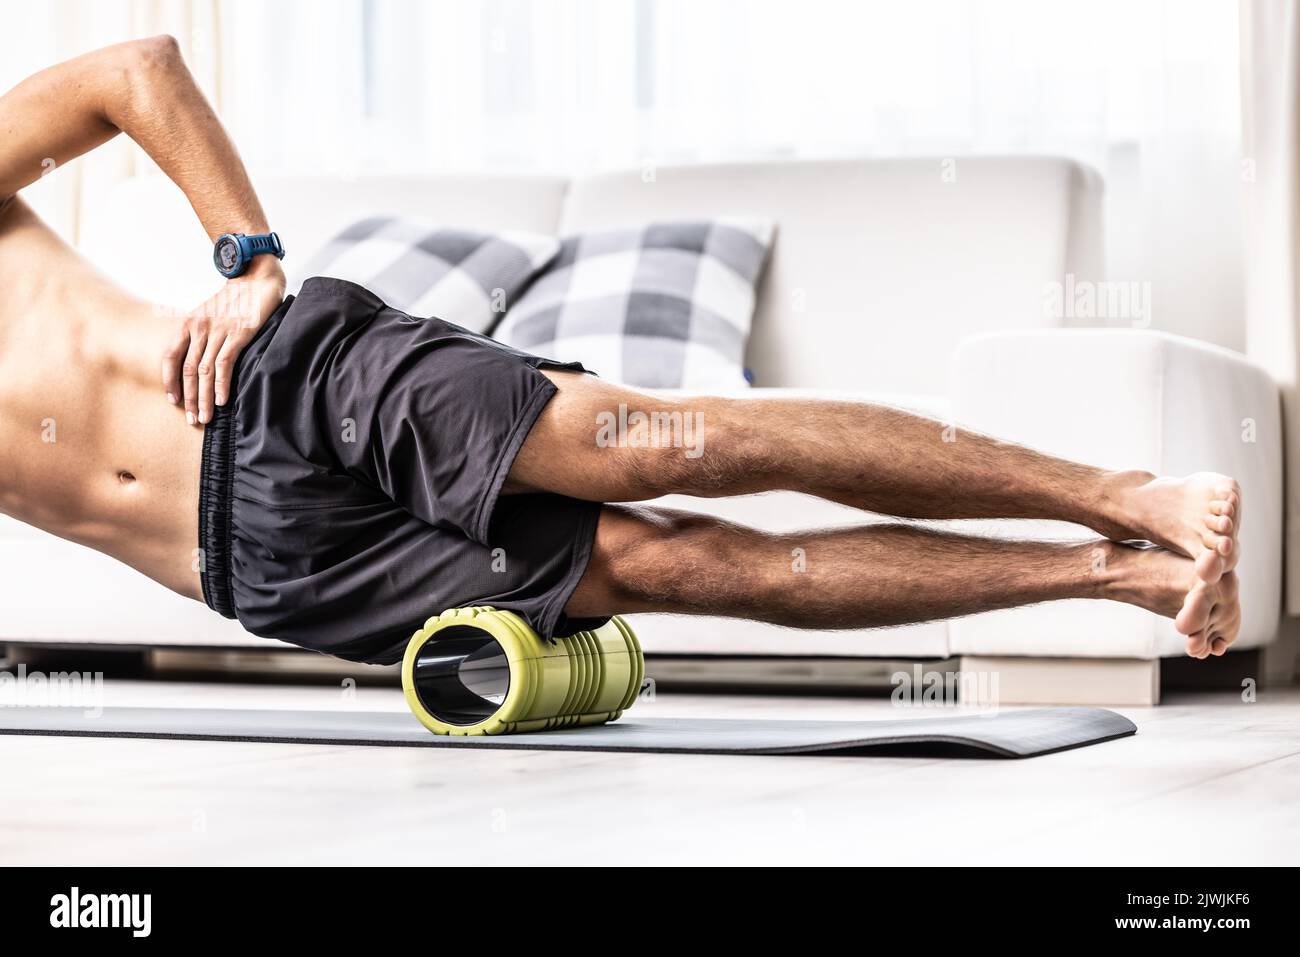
<point>1129,399</point>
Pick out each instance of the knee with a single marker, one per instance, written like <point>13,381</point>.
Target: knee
<point>657,470</point>
<point>700,448</point>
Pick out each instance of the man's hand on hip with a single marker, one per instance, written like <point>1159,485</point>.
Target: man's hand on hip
<point>198,366</point>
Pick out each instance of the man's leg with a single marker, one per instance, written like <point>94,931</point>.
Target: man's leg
<point>649,559</point>
<point>868,456</point>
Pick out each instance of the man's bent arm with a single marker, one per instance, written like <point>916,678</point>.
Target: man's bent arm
<point>144,89</point>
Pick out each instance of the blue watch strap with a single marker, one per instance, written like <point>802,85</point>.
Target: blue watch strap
<point>267,243</point>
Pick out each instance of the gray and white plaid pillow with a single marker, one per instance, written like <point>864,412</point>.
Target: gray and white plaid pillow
<point>668,305</point>
<point>465,277</point>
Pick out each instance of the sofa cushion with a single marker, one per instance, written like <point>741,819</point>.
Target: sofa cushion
<point>464,276</point>
<point>665,305</point>
<point>882,265</point>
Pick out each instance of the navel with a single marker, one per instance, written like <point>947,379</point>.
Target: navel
<point>125,477</point>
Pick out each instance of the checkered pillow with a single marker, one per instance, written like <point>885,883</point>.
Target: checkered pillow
<point>468,278</point>
<point>668,305</point>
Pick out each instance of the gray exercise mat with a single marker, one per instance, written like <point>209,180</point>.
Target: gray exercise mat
<point>1011,734</point>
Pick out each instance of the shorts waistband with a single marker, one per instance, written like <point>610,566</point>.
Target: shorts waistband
<point>217,484</point>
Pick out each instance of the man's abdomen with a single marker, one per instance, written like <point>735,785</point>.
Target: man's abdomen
<point>93,452</point>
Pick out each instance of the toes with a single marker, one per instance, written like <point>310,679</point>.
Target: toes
<point>1230,560</point>
<point>1213,540</point>
<point>1219,523</point>
<point>1195,613</point>
<point>1221,545</point>
<point>1197,645</point>
<point>1224,623</point>
<point>1210,566</point>
<point>1228,612</point>
<point>1216,641</point>
<point>1229,494</point>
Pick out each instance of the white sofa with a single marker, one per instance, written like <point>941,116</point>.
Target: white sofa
<point>890,281</point>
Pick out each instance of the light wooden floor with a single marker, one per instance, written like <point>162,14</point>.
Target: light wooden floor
<point>1208,779</point>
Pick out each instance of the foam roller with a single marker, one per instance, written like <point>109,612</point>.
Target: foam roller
<point>485,671</point>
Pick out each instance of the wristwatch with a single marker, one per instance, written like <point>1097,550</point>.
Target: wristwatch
<point>234,251</point>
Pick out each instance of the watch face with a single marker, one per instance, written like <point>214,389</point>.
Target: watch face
<point>228,253</point>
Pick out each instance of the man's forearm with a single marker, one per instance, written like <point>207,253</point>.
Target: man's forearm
<point>143,89</point>
<point>164,111</point>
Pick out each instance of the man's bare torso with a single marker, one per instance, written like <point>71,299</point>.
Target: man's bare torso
<point>90,449</point>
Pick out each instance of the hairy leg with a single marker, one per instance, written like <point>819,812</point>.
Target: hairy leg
<point>659,560</point>
<point>869,456</point>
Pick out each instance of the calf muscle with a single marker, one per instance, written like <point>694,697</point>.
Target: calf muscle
<point>660,560</point>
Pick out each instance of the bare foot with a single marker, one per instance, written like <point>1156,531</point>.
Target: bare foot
<point>1197,516</point>
<point>1156,579</point>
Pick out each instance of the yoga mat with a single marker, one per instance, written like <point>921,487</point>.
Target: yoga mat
<point>1010,734</point>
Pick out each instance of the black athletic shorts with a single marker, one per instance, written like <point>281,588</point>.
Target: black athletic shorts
<point>351,485</point>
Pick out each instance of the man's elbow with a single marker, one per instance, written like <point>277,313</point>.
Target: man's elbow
<point>141,68</point>
<point>153,55</point>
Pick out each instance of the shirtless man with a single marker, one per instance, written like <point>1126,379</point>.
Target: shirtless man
<point>477,477</point>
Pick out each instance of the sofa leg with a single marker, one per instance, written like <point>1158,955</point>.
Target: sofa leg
<point>1281,657</point>
<point>1098,681</point>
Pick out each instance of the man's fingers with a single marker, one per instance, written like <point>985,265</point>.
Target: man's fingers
<point>208,347</point>
<point>172,360</point>
<point>207,375</point>
<point>190,372</point>
<point>225,370</point>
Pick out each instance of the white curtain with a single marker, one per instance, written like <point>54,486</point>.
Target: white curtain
<point>1146,91</point>
<point>37,35</point>
<point>1270,79</point>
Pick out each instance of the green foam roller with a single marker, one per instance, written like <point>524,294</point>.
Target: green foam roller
<point>485,671</point>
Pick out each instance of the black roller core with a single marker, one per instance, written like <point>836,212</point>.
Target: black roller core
<point>461,675</point>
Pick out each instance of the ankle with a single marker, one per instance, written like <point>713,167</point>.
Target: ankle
<point>1108,568</point>
<point>1115,500</point>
